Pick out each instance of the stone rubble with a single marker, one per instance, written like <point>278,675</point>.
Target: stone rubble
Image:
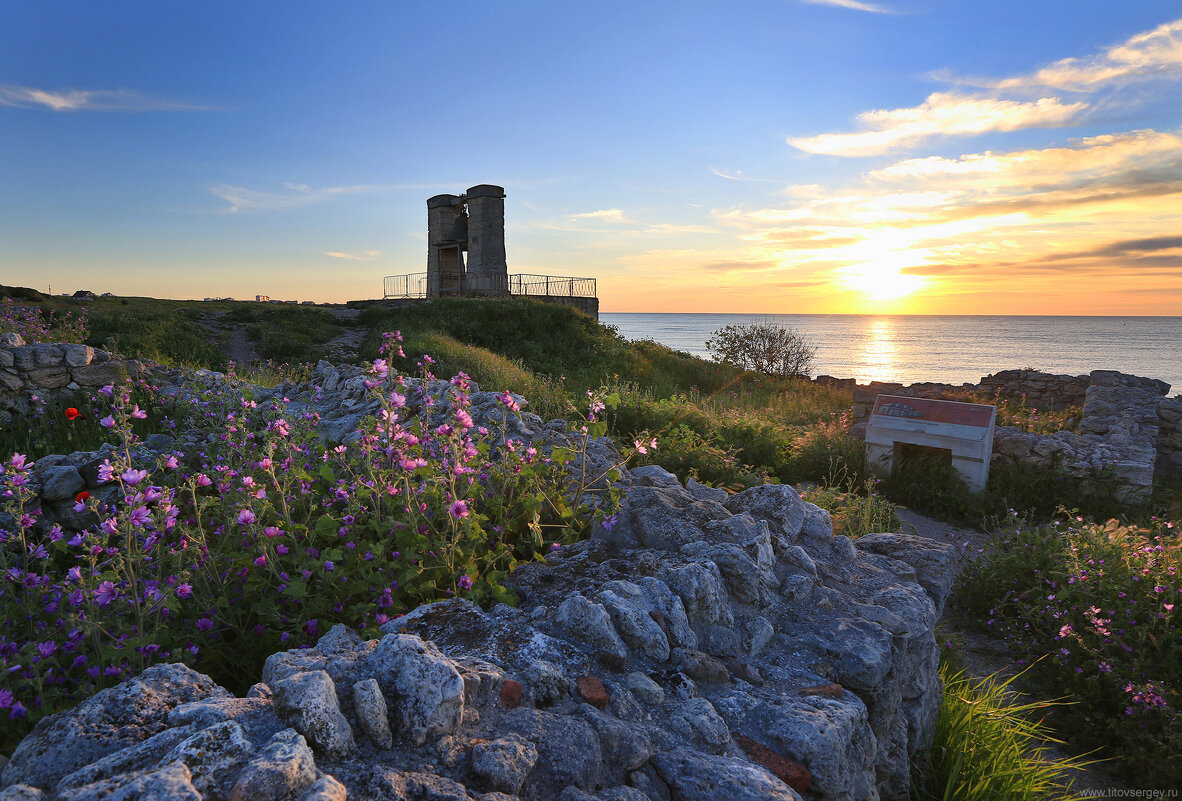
<point>703,647</point>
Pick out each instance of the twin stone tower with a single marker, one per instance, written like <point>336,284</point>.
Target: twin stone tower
<point>473,222</point>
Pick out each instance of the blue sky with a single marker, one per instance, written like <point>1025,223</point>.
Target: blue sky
<point>766,156</point>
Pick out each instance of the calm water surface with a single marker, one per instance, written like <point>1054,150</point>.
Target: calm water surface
<point>950,349</point>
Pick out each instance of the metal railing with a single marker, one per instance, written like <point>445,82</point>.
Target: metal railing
<point>415,285</point>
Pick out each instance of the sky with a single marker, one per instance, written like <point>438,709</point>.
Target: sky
<point>761,156</point>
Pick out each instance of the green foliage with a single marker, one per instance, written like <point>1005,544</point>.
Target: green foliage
<point>547,396</point>
<point>768,348</point>
<point>151,330</point>
<point>268,537</point>
<point>855,510</point>
<point>284,332</point>
<point>1104,604</point>
<point>49,426</point>
<point>989,746</point>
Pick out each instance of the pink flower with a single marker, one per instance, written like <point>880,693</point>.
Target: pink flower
<point>245,517</point>
<point>108,390</point>
<point>203,480</point>
<point>260,561</point>
<point>111,526</point>
<point>397,401</point>
<point>138,413</point>
<point>184,590</point>
<point>171,463</point>
<point>107,422</point>
<point>640,448</point>
<point>459,510</point>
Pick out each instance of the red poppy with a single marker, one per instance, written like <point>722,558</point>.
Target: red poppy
<point>72,413</point>
<point>81,496</point>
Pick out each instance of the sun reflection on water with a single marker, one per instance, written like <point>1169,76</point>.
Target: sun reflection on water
<point>879,358</point>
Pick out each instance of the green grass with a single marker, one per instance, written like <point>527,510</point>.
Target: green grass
<point>988,746</point>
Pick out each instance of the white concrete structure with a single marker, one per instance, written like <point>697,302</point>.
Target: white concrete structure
<point>963,429</point>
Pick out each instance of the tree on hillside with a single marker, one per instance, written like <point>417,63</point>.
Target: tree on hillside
<point>767,347</point>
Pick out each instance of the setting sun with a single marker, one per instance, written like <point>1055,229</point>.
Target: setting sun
<point>881,282</point>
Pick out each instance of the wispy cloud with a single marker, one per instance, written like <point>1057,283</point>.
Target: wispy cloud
<point>1012,103</point>
<point>941,114</point>
<point>90,100</point>
<point>357,255</point>
<point>856,5</point>
<point>606,215</point>
<point>1153,54</point>
<point>737,175</point>
<point>241,199</point>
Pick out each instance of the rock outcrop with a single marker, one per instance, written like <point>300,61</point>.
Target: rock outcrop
<point>702,647</point>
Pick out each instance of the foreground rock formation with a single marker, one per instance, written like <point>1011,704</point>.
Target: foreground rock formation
<point>702,646</point>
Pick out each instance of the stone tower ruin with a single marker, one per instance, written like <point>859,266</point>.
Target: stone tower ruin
<point>471,223</point>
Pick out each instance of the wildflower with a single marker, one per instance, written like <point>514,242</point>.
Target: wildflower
<point>640,447</point>
<point>110,526</point>
<point>132,476</point>
<point>465,583</point>
<point>459,510</point>
<point>184,590</point>
<point>203,480</point>
<point>107,422</point>
<point>108,390</point>
<point>105,593</point>
<point>329,566</point>
<point>72,413</point>
<point>171,463</point>
<point>140,516</point>
<point>245,517</point>
<point>260,561</point>
<point>81,497</point>
<point>204,624</point>
<point>138,413</point>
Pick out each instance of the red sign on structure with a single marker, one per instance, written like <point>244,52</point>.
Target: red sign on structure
<point>934,411</point>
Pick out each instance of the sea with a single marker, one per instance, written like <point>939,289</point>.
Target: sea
<point>948,349</point>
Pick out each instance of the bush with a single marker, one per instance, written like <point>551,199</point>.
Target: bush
<point>768,348</point>
<point>1104,603</point>
<point>268,538</point>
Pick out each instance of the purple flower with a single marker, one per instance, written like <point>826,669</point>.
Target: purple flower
<point>107,422</point>
<point>459,510</point>
<point>105,593</point>
<point>245,517</point>
<point>132,476</point>
<point>184,590</point>
<point>111,526</point>
<point>465,583</point>
<point>5,698</point>
<point>108,390</point>
<point>46,649</point>
<point>140,516</point>
<point>204,624</point>
<point>328,565</point>
<point>18,462</point>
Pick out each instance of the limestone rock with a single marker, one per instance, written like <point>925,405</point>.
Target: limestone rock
<point>695,777</point>
<point>370,706</point>
<point>504,763</point>
<point>284,768</point>
<point>427,689</point>
<point>308,701</point>
<point>107,722</point>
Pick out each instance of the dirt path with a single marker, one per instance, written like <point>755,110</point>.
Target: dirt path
<point>982,656</point>
<point>344,347</point>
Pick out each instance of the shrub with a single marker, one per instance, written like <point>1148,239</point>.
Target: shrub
<point>1104,602</point>
<point>768,348</point>
<point>268,538</point>
<point>855,510</point>
<point>42,325</point>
